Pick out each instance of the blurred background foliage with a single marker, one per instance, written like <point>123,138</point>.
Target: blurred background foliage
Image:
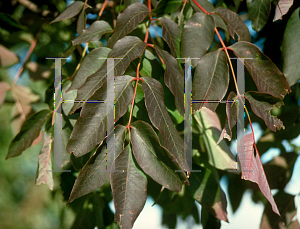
<point>27,38</point>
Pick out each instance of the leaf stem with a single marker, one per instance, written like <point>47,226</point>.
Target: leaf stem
<point>102,9</point>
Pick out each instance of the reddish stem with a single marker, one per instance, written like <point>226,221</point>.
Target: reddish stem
<point>200,7</point>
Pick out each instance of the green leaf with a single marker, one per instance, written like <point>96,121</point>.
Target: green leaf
<point>8,23</point>
<point>90,128</point>
<point>173,78</point>
<point>129,189</point>
<point>128,21</point>
<point>259,11</point>
<point>220,155</point>
<point>44,176</point>
<point>81,22</point>
<point>7,57</point>
<point>231,113</point>
<point>291,49</point>
<point>206,190</point>
<point>211,80</point>
<point>96,172</point>
<point>171,33</point>
<point>267,77</point>
<point>205,4</point>
<point>90,64</point>
<point>129,2</point>
<point>158,114</point>
<point>71,11</point>
<point>262,104</point>
<point>67,96</point>
<point>235,24</point>
<point>153,158</point>
<point>93,33</point>
<point>197,36</point>
<point>128,48</point>
<point>29,132</point>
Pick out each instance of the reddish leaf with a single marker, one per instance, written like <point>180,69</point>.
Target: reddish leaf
<point>44,176</point>
<point>252,168</point>
<point>128,21</point>
<point>262,104</point>
<point>71,11</point>
<point>128,48</point>
<point>129,189</point>
<point>231,113</point>
<point>171,33</point>
<point>173,78</point>
<point>93,33</point>
<point>235,24</point>
<point>90,128</point>
<point>197,36</point>
<point>153,158</point>
<point>4,87</point>
<point>211,80</point>
<point>282,8</point>
<point>267,77</point>
<point>158,114</point>
<point>94,174</point>
<point>7,57</point>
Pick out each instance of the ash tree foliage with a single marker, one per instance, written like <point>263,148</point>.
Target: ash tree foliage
<point>149,107</point>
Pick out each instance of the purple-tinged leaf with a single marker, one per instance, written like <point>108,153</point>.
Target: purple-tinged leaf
<point>259,11</point>
<point>93,33</point>
<point>71,11</point>
<point>205,4</point>
<point>219,155</point>
<point>173,78</point>
<point>211,80</point>
<point>291,49</point>
<point>29,132</point>
<point>158,114</point>
<point>128,21</point>
<point>95,173</point>
<point>171,33</point>
<point>129,189</point>
<point>235,24</point>
<point>7,57</point>
<point>128,48</point>
<point>90,64</point>
<point>231,113</point>
<point>197,36</point>
<point>282,8</point>
<point>90,128</point>
<point>206,190</point>
<point>262,104</point>
<point>267,77</point>
<point>153,158</point>
<point>4,87</point>
<point>252,168</point>
<point>44,176</point>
